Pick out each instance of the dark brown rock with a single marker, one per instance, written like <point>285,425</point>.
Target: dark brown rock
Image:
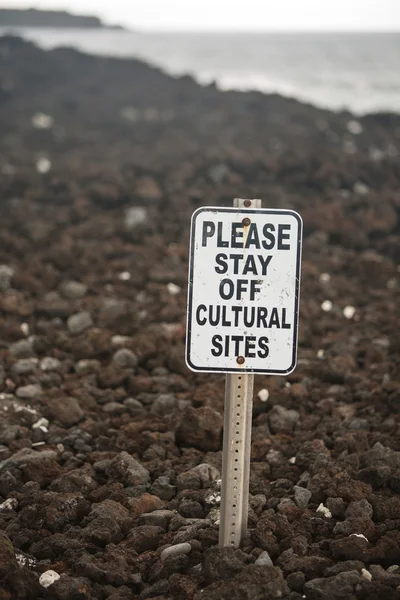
<point>66,410</point>
<point>201,428</point>
<point>253,583</point>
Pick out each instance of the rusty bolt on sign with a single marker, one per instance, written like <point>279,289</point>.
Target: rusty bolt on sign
<point>246,222</point>
<point>240,360</point>
<point>247,203</point>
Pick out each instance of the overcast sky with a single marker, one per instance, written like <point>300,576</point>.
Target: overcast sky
<point>246,15</point>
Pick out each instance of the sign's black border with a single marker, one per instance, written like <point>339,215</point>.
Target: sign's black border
<point>246,212</point>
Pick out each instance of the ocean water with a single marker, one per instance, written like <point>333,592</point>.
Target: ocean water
<point>355,71</point>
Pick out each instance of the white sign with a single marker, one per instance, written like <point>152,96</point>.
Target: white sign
<point>243,297</point>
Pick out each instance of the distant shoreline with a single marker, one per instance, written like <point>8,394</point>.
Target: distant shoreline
<point>50,19</point>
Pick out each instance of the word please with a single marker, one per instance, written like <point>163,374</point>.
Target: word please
<point>233,235</point>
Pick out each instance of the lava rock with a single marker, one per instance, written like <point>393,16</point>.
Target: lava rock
<point>128,470</point>
<point>252,583</point>
<point>125,359</point>
<point>302,496</point>
<point>201,428</point>
<point>163,488</point>
<point>144,538</point>
<point>73,290</point>
<point>282,420</point>
<point>66,410</point>
<point>340,586</point>
<point>79,323</point>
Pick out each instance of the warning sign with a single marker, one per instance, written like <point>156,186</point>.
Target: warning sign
<point>243,296</point>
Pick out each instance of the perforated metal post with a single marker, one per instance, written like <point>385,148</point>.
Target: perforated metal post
<point>236,446</point>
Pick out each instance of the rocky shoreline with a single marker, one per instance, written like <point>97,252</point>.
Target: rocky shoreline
<point>54,19</point>
<point>110,449</point>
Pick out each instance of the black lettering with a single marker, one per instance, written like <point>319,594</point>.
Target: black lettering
<point>231,291</point>
<point>208,231</point>
<point>262,317</point>
<point>283,236</point>
<point>285,325</point>
<point>253,288</point>
<point>226,345</point>
<point>274,320</point>
<point>237,235</point>
<point>241,287</point>
<point>249,320</point>
<point>237,339</point>
<point>224,322</point>
<point>214,319</point>
<point>269,241</point>
<point>220,242</point>
<point>217,343</point>
<point>263,344</point>
<point>250,265</point>
<point>202,321</point>
<point>252,237</point>
<point>264,263</point>
<point>236,310</point>
<point>236,258</point>
<point>223,266</point>
<point>250,344</point>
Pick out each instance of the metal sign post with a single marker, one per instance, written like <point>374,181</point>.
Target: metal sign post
<point>236,447</point>
<point>243,300</point>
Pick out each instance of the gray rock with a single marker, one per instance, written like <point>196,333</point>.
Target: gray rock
<point>73,290</point>
<point>357,423</point>
<point>340,586</point>
<point>6,274</point>
<point>9,433</point>
<point>360,509</point>
<point>134,405</point>
<point>264,560</point>
<point>48,363</point>
<point>125,359</point>
<point>27,392</point>
<point>24,366</point>
<point>201,476</point>
<point>282,420</point>
<point>23,349</point>
<point>114,408</point>
<point>128,470</point>
<point>112,309</point>
<point>394,569</point>
<point>163,488</point>
<point>183,548</point>
<point>87,366</point>
<point>218,173</point>
<point>79,322</point>
<point>158,518</point>
<point>135,216</point>
<point>166,404</point>
<point>301,496</point>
